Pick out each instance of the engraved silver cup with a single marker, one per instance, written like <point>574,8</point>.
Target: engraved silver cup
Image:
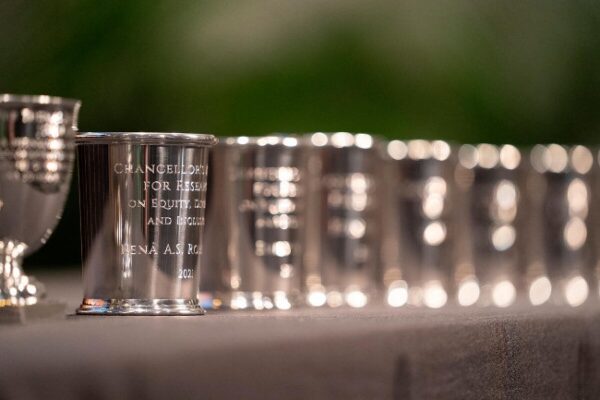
<point>491,234</point>
<point>255,217</point>
<point>142,199</point>
<point>560,259</point>
<point>419,206</point>
<point>37,136</point>
<point>341,260</point>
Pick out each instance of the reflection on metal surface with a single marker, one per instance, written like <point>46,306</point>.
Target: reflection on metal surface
<point>342,218</point>
<point>557,158</point>
<point>36,160</point>
<point>139,307</point>
<point>540,291</point>
<point>238,301</point>
<point>397,293</point>
<point>490,178</point>
<point>434,233</point>
<point>577,198</point>
<point>319,139</point>
<point>363,141</point>
<point>255,220</point>
<point>397,149</point>
<point>576,291</point>
<point>280,298</point>
<point>503,237</point>
<point>488,156</point>
<point>504,294</point>
<point>416,244</point>
<point>510,156</point>
<point>434,294</point>
<point>581,159</point>
<point>317,296</point>
<point>559,225</point>
<point>468,292</point>
<point>355,298</point>
<point>142,198</point>
<point>575,233</point>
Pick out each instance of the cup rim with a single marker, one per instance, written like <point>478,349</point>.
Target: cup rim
<point>275,139</point>
<point>165,138</point>
<point>304,139</point>
<point>343,139</point>
<point>35,99</point>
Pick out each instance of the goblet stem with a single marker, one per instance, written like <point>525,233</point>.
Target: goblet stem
<point>16,288</point>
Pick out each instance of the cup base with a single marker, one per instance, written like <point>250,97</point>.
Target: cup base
<point>140,307</point>
<point>213,301</point>
<point>240,300</point>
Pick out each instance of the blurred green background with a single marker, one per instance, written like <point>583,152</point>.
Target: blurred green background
<point>494,71</point>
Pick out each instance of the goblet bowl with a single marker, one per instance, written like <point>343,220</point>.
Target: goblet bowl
<point>37,150</point>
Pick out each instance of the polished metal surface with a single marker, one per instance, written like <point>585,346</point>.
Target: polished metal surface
<point>141,307</point>
<point>560,250</point>
<point>36,158</point>
<point>255,219</point>
<point>595,218</point>
<point>142,199</point>
<point>341,261</point>
<point>491,235</point>
<point>419,223</point>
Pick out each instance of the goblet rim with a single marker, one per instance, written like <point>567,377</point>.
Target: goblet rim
<point>164,138</point>
<point>37,99</point>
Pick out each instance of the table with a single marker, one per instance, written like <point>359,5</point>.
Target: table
<point>373,353</point>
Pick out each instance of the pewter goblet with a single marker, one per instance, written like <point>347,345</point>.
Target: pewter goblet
<point>36,158</point>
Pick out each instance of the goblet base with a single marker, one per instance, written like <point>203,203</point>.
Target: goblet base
<point>20,290</point>
<point>140,307</point>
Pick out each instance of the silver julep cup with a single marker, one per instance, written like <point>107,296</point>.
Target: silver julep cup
<point>560,259</point>
<point>142,199</point>
<point>341,260</point>
<point>255,217</point>
<point>491,234</point>
<point>37,151</point>
<point>417,243</point>
<point>595,217</point>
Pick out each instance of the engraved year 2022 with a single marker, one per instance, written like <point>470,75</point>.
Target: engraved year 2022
<point>186,273</point>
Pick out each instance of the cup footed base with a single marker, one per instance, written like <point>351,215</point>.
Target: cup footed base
<point>240,300</point>
<point>140,307</point>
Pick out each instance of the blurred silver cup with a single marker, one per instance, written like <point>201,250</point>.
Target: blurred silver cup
<point>490,235</point>
<point>595,218</point>
<point>417,252</point>
<point>36,157</point>
<point>142,200</point>
<point>255,216</point>
<point>341,260</point>
<point>559,251</point>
